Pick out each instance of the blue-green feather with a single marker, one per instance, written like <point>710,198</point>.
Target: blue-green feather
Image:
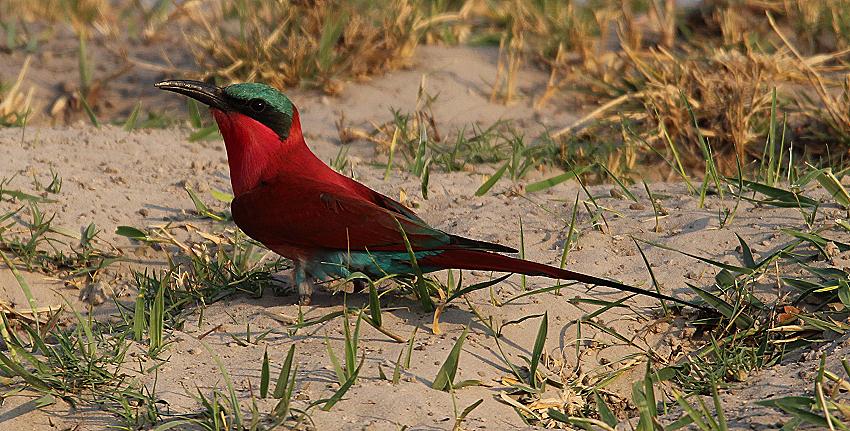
<point>340,264</point>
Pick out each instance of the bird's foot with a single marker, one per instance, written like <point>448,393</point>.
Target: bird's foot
<point>305,300</point>
<point>304,281</point>
<point>305,292</point>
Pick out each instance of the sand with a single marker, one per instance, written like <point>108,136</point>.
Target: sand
<point>113,177</point>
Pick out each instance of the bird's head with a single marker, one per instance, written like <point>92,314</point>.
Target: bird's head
<point>260,126</point>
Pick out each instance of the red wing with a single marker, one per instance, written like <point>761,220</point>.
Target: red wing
<point>312,214</point>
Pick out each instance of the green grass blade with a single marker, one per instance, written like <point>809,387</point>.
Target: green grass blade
<point>89,111</point>
<point>558,179</point>
<point>25,287</point>
<point>535,292</point>
<point>467,411</point>
<point>733,268</point>
<point>746,253</point>
<point>447,372</point>
<point>374,304</point>
<point>649,391</point>
<point>281,410</point>
<point>157,319</point>
<point>742,321</point>
<point>477,286</point>
<point>234,400</point>
<point>426,178</point>
<point>537,352</point>
<point>778,197</point>
<point>21,372</point>
<point>280,387</point>
<point>484,188</point>
<point>568,243</point>
<point>139,317</point>
<point>620,183</point>
<point>351,344</point>
<point>829,182</point>
<point>604,411</point>
<point>410,348</point>
<point>718,408</point>
<point>264,375</point>
<point>203,133</point>
<point>337,396</point>
<point>707,154</point>
<point>194,114</point>
<point>84,68</point>
<point>132,233</point>
<point>421,287</point>
<point>695,416</point>
<point>397,369</point>
<point>340,372</point>
<point>652,277</point>
<point>130,124</point>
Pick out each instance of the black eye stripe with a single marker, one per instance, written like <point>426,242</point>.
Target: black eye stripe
<point>263,111</point>
<point>257,105</point>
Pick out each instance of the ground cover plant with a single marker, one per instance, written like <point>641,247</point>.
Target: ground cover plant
<point>743,103</point>
<point>743,327</point>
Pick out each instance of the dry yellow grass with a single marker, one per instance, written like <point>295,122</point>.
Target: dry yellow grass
<point>640,62</point>
<point>633,60</point>
<point>729,91</point>
<point>84,16</point>
<point>316,43</point>
<point>16,102</point>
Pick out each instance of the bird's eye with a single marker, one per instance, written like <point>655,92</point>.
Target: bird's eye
<point>257,105</point>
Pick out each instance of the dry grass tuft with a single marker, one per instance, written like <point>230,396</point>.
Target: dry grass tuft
<point>815,26</point>
<point>554,34</point>
<point>728,93</point>
<point>82,15</point>
<point>314,43</point>
<point>685,76</point>
<point>16,103</point>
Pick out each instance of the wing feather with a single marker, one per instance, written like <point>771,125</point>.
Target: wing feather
<point>311,214</point>
<point>307,213</point>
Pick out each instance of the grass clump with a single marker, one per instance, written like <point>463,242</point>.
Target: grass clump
<point>81,363</point>
<point>311,43</point>
<point>637,61</point>
<point>199,273</point>
<point>37,243</point>
<point>825,410</point>
<point>729,93</point>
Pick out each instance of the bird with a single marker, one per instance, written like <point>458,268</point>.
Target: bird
<point>326,223</point>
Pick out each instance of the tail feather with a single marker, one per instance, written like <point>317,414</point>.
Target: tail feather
<point>486,261</point>
<point>474,244</point>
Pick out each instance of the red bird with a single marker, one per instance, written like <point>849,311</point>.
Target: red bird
<point>328,224</point>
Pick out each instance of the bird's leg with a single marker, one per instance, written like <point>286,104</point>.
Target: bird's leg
<point>304,283</point>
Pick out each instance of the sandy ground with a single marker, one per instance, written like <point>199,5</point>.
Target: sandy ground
<point>114,178</point>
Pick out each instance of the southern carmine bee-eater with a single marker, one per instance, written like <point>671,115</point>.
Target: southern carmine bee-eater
<point>328,224</point>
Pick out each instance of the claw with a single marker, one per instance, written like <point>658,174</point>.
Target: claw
<point>305,300</point>
<point>304,283</point>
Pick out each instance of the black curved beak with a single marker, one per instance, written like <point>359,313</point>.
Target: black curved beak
<point>208,94</point>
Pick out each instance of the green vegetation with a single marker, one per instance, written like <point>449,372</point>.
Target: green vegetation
<point>739,332</point>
